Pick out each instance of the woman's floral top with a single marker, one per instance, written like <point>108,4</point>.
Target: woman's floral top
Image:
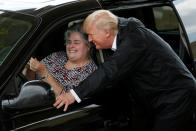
<point>69,79</point>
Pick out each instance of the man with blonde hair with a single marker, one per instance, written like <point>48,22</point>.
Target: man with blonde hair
<point>107,32</point>
<point>159,81</point>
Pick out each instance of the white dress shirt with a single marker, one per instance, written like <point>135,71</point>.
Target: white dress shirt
<point>114,47</point>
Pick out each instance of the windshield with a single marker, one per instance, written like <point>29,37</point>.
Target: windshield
<point>12,30</point>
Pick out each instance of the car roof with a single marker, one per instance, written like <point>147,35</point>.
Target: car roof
<point>40,7</point>
<point>37,5</point>
<point>132,1</point>
<point>108,2</point>
<point>17,5</point>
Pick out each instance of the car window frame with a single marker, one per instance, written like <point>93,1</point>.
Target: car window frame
<point>7,69</point>
<point>45,32</point>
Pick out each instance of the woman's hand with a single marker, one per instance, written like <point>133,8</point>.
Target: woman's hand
<point>37,67</point>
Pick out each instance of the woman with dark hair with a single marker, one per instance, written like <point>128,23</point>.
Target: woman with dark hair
<point>65,70</point>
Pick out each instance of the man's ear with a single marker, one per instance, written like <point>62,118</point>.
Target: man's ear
<point>108,33</point>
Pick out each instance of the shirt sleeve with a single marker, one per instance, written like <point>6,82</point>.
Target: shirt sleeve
<point>75,96</point>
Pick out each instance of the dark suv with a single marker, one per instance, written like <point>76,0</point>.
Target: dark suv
<point>36,29</point>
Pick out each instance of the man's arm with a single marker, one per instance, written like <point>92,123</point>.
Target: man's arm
<point>125,60</point>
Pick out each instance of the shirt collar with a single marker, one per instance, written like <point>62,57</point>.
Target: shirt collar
<point>114,45</point>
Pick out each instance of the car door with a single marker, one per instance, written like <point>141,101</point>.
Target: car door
<point>23,107</point>
<point>33,112</point>
<point>32,109</point>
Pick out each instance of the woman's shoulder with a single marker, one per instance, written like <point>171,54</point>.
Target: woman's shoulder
<point>91,65</point>
<point>59,56</point>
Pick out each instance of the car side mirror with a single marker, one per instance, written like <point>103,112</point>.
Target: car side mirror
<point>35,93</point>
